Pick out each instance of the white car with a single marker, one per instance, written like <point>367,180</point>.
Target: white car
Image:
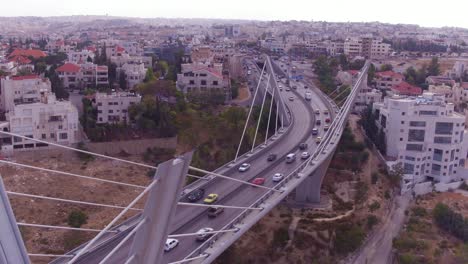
<point>244,167</point>
<point>278,177</point>
<point>171,243</point>
<point>305,155</point>
<point>204,233</point>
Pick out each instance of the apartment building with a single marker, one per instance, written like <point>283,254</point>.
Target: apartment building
<point>84,75</point>
<point>49,120</point>
<point>426,136</point>
<point>387,79</point>
<point>113,107</point>
<point>22,90</point>
<point>352,47</point>
<point>126,58</point>
<point>200,78</point>
<point>134,73</point>
<point>80,57</point>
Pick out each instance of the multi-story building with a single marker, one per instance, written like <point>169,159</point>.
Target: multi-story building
<point>22,90</point>
<point>80,57</point>
<point>113,107</point>
<point>379,49</point>
<point>83,75</point>
<point>134,73</point>
<point>125,58</point>
<point>49,120</point>
<point>426,136</point>
<point>387,79</point>
<point>200,78</point>
<point>353,47</point>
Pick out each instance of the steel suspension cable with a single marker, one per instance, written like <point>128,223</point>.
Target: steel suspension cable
<point>261,112</point>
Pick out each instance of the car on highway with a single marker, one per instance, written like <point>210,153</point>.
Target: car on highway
<point>171,243</point>
<point>305,155</point>
<point>215,211</point>
<point>294,87</point>
<point>326,127</point>
<point>291,98</point>
<point>318,122</point>
<point>271,157</point>
<point>327,120</point>
<point>317,112</point>
<point>244,167</point>
<point>303,146</point>
<point>315,131</point>
<point>306,87</point>
<point>211,198</point>
<point>204,233</point>
<point>318,140</point>
<point>325,112</point>
<point>290,158</point>
<point>308,96</point>
<point>278,177</point>
<point>258,181</point>
<point>196,195</point>
<point>287,89</point>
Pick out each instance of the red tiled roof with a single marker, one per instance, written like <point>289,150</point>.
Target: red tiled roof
<point>102,68</point>
<point>119,48</point>
<point>20,59</point>
<point>464,85</point>
<point>405,88</point>
<point>389,74</point>
<point>68,67</point>
<point>28,52</point>
<point>352,72</point>
<point>92,49</point>
<point>25,77</point>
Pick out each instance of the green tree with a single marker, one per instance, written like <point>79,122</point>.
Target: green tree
<point>434,67</point>
<point>371,74</point>
<point>386,67</point>
<point>149,75</point>
<point>77,218</point>
<point>348,238</point>
<point>122,80</point>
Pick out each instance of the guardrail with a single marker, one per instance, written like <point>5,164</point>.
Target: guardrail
<point>316,159</point>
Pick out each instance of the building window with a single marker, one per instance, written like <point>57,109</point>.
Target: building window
<point>52,135</point>
<point>414,147</point>
<point>63,135</point>
<point>215,83</point>
<point>111,111</point>
<point>416,135</point>
<point>17,139</point>
<point>435,169</point>
<point>203,82</point>
<point>192,82</point>
<point>408,168</point>
<point>43,136</point>
<point>444,128</point>
<point>418,123</point>
<point>442,140</point>
<point>427,112</point>
<point>437,154</point>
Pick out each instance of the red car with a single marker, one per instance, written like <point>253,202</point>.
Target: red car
<point>259,181</point>
<point>327,120</point>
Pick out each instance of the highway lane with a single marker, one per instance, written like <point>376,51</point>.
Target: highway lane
<point>233,193</point>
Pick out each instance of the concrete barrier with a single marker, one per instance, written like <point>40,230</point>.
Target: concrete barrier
<point>133,147</point>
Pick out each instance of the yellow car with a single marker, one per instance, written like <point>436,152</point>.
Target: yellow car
<point>211,198</point>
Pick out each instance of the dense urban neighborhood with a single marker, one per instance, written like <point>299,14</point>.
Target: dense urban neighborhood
<point>307,141</point>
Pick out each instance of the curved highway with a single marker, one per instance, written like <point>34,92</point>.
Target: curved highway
<point>191,219</point>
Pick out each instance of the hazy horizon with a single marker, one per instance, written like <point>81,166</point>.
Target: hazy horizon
<point>427,14</point>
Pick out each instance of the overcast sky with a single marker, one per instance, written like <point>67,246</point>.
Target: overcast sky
<point>422,12</point>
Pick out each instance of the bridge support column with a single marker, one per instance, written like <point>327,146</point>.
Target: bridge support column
<point>12,249</point>
<point>309,190</point>
<point>149,241</point>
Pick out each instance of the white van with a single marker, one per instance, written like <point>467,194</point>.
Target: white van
<point>291,157</point>
<point>308,96</point>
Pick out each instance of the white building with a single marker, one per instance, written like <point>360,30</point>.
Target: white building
<point>196,78</point>
<point>80,57</point>
<point>49,120</point>
<point>426,136</point>
<point>380,49</point>
<point>125,58</point>
<point>113,107</point>
<point>83,75</point>
<point>134,73</point>
<point>22,90</point>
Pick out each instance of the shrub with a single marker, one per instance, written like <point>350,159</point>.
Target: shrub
<point>280,237</point>
<point>77,218</point>
<point>374,206</point>
<point>372,220</point>
<point>375,177</point>
<point>348,238</point>
<point>419,211</point>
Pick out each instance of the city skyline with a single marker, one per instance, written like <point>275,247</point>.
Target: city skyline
<point>398,12</point>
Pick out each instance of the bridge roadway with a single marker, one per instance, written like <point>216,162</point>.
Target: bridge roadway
<point>191,219</point>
